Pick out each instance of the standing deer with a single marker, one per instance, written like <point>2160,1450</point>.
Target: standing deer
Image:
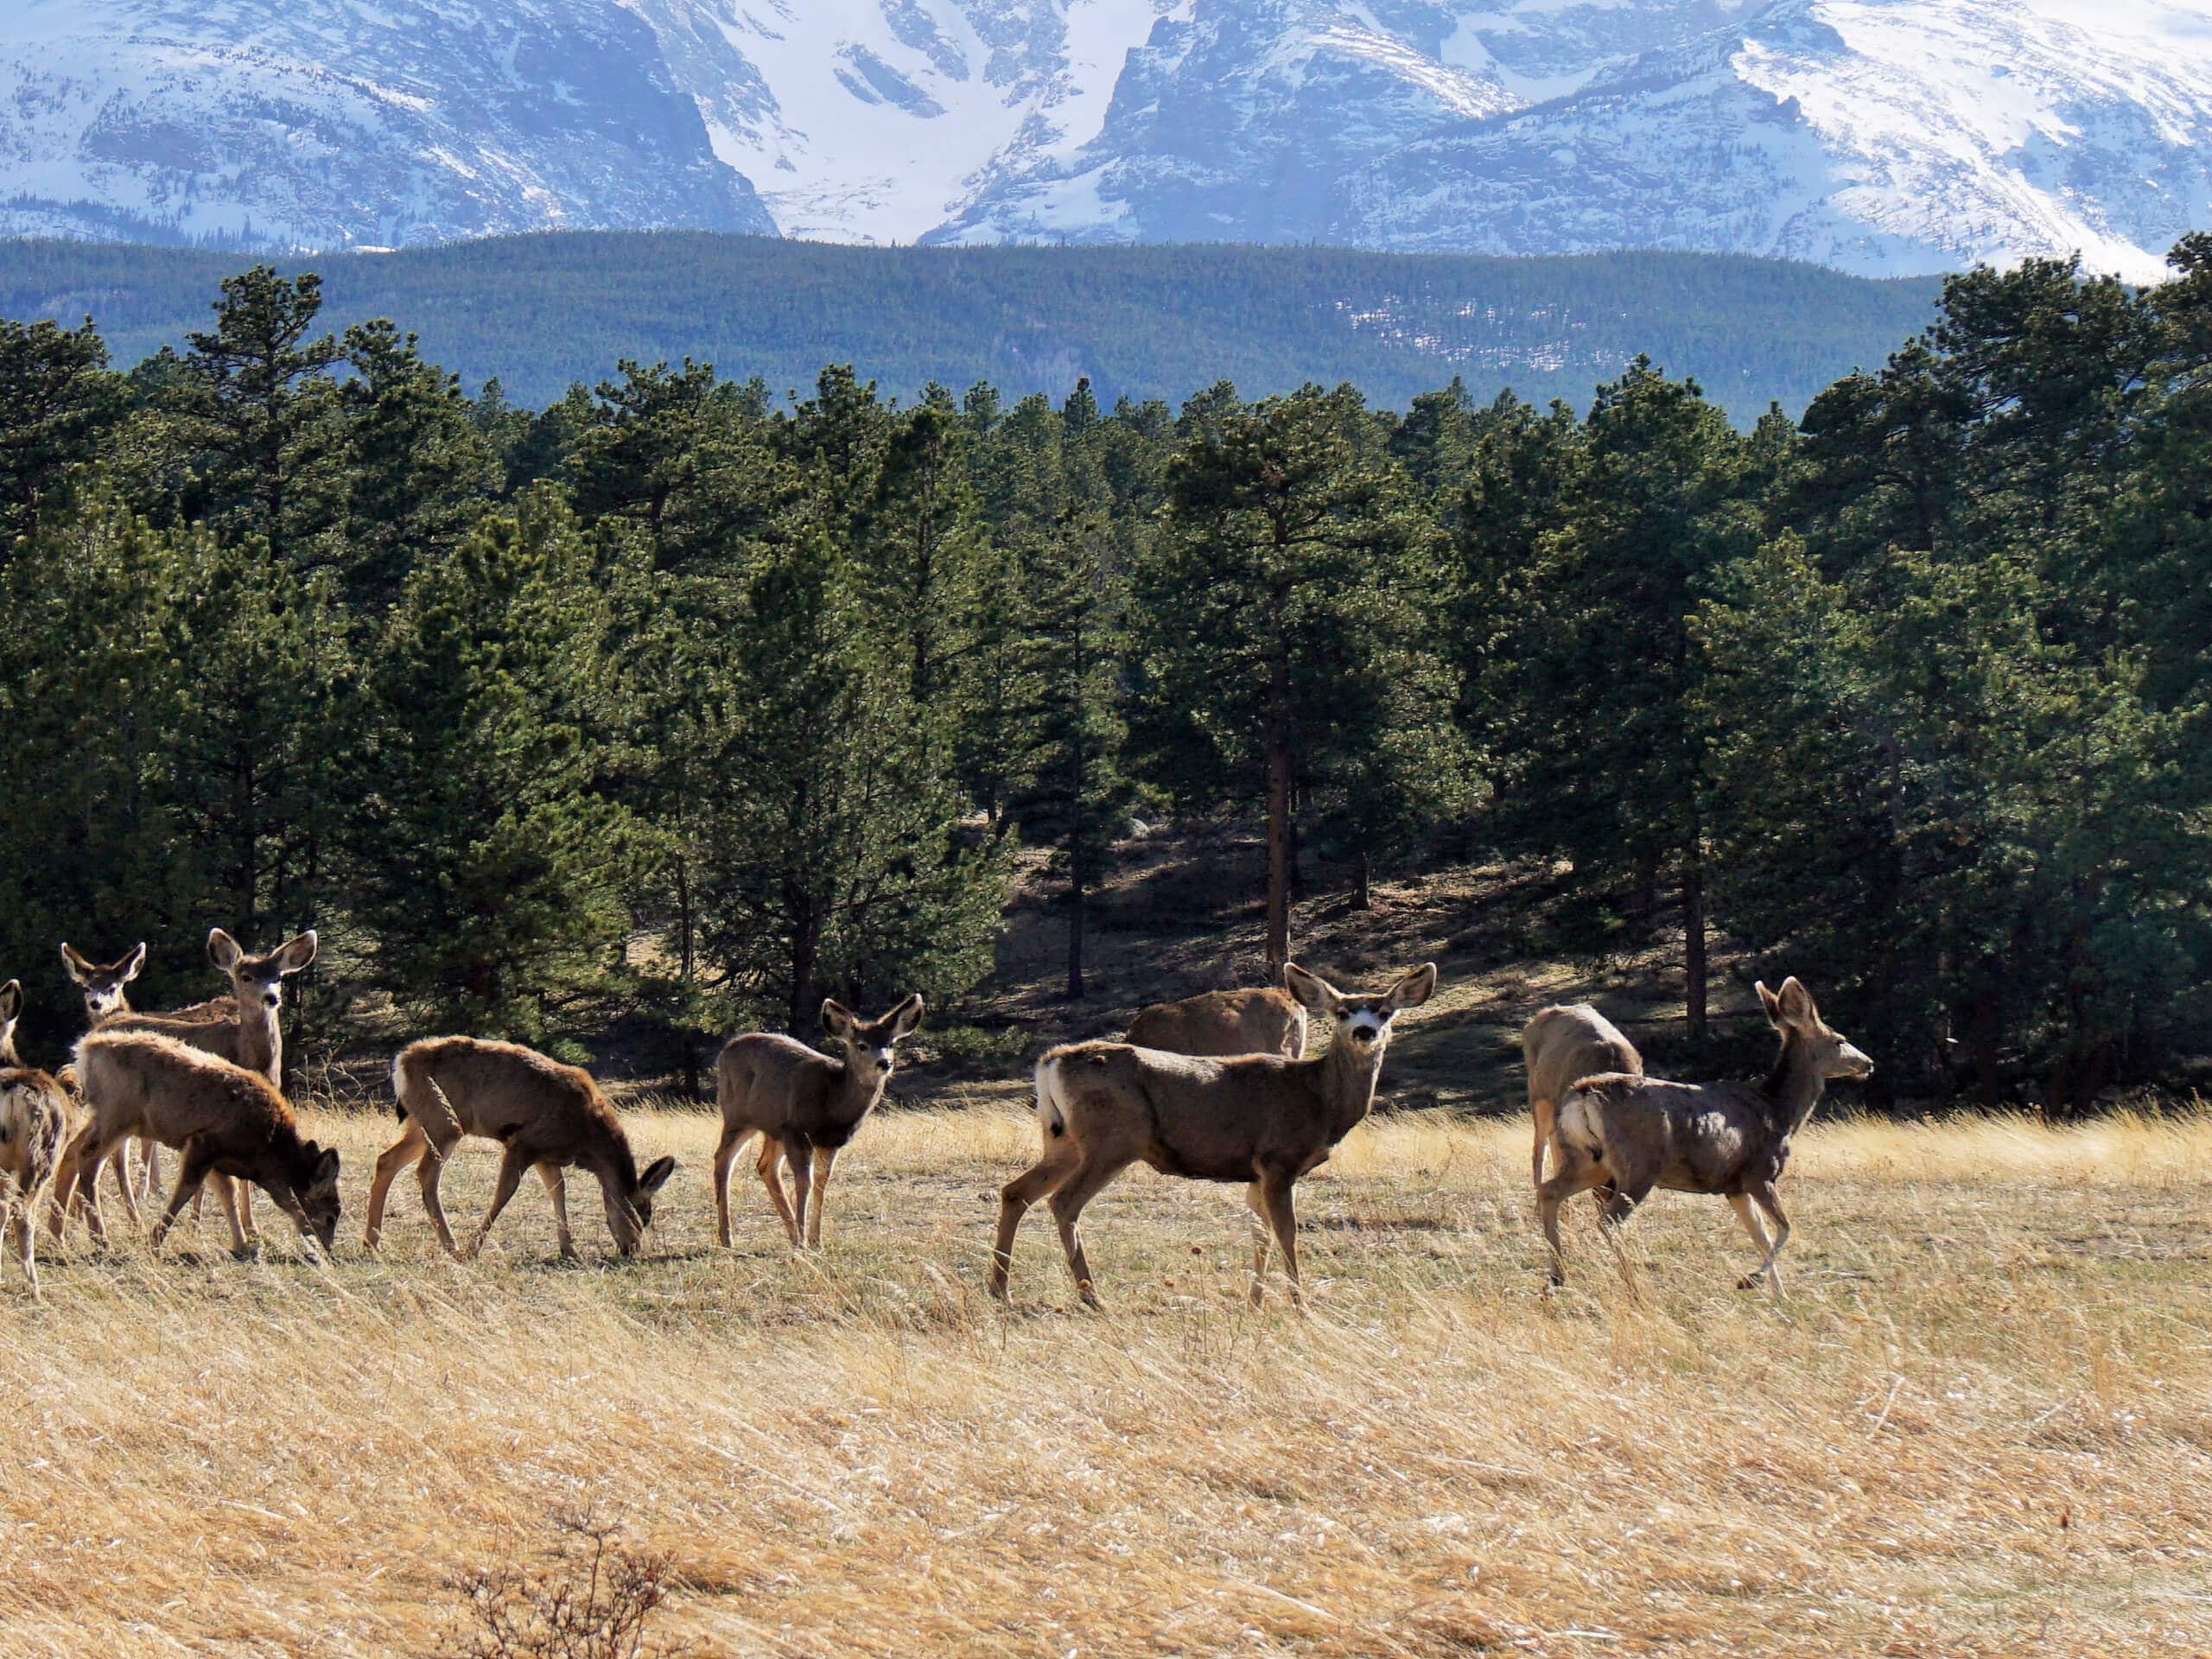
<point>547,1115</point>
<point>1220,1023</point>
<point>34,1121</point>
<point>803,1105</point>
<point>1256,1118</point>
<point>1560,1046</point>
<point>222,1118</point>
<point>103,985</point>
<point>1731,1140</point>
<point>248,1034</point>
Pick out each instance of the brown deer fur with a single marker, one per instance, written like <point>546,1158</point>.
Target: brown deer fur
<point>803,1105</point>
<point>1728,1139</point>
<point>1259,1119</point>
<point>547,1115</point>
<point>246,1032</point>
<point>1560,1046</point>
<point>222,1118</point>
<point>34,1121</point>
<point>1221,1023</point>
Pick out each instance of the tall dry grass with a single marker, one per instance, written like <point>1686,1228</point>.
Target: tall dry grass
<point>1981,1423</point>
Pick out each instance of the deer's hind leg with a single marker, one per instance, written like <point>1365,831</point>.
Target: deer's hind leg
<point>1546,1113</point>
<point>516,1159</point>
<point>734,1135</point>
<point>1771,1201</point>
<point>1016,1196</point>
<point>1580,1170</point>
<point>1068,1199</point>
<point>411,1145</point>
<point>772,1152</point>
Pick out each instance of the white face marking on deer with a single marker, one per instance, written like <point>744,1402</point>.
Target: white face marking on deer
<point>103,985</point>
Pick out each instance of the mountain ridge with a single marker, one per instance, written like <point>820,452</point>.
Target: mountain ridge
<point>1879,137</point>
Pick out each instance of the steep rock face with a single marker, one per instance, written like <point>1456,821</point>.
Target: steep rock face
<point>1903,135</point>
<point>334,123</point>
<point>1883,136</point>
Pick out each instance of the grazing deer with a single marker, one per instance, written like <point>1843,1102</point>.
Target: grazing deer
<point>248,1033</point>
<point>34,1121</point>
<point>803,1105</point>
<point>1728,1139</point>
<point>546,1114</point>
<point>221,1118</point>
<point>1220,1023</point>
<point>1560,1046</point>
<point>1256,1118</point>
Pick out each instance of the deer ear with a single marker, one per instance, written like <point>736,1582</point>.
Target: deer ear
<point>905,1017</point>
<point>295,954</point>
<point>1314,993</point>
<point>836,1018</point>
<point>657,1174</point>
<point>222,949</point>
<point>1413,989</point>
<point>326,1166</point>
<point>134,962</point>
<point>12,998</point>
<point>1797,1003</point>
<point>1768,1000</point>
<point>77,968</point>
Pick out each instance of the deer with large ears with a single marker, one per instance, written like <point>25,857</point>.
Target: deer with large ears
<point>1258,1119</point>
<point>248,1034</point>
<point>106,989</point>
<point>1729,1140</point>
<point>803,1105</point>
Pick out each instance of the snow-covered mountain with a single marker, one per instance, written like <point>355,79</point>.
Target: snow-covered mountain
<point>1879,135</point>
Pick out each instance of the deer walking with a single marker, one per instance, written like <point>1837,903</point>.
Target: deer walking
<point>1559,1047</point>
<point>803,1105</point>
<point>34,1121</point>
<point>549,1116</point>
<point>223,1119</point>
<point>1220,1023</point>
<point>1731,1140</point>
<point>248,1033</point>
<point>1259,1119</point>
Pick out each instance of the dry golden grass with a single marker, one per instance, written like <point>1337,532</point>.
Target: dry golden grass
<point>1981,1424</point>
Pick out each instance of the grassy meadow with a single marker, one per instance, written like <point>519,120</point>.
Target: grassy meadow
<point>1981,1423</point>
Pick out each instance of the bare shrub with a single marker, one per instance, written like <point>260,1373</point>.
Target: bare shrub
<point>596,1603</point>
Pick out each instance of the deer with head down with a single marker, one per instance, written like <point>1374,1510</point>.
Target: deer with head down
<point>222,1118</point>
<point>1559,1047</point>
<point>1258,1119</point>
<point>1729,1140</point>
<point>34,1122</point>
<point>803,1105</point>
<point>547,1115</point>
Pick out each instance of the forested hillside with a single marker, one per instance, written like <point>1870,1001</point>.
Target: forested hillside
<point>677,701</point>
<point>542,312</point>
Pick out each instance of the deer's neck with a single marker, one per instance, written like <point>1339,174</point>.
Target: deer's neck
<point>1794,1088</point>
<point>1348,1080</point>
<point>261,1040</point>
<point>7,1056</point>
<point>857,1093</point>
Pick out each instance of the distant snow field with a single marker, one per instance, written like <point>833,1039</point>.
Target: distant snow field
<point>1879,136</point>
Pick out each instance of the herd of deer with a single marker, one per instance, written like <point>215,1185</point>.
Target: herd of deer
<point>1214,1088</point>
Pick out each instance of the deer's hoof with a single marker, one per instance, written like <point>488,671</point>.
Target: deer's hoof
<point>1749,1281</point>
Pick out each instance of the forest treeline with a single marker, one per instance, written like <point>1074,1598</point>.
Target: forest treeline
<point>542,311</point>
<point>1907,695</point>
